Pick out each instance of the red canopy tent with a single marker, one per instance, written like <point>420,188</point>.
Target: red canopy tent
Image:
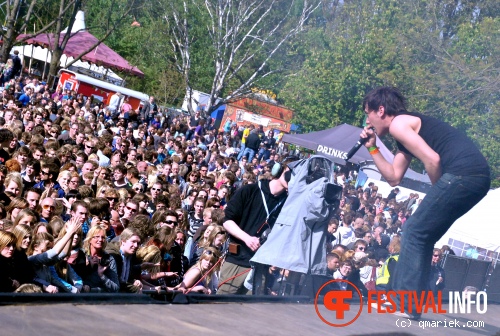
<point>102,55</point>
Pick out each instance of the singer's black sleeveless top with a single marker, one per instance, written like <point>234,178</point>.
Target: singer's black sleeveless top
<point>459,155</point>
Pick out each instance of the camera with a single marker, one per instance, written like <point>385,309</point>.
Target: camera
<point>263,237</point>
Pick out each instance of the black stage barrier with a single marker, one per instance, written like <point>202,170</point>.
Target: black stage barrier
<point>461,272</point>
<point>494,285</point>
<point>148,297</point>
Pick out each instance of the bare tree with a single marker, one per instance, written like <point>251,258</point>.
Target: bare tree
<point>18,15</point>
<point>181,43</point>
<point>60,44</point>
<point>245,34</point>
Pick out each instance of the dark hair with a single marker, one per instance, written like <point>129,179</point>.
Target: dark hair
<point>73,193</point>
<point>39,148</point>
<point>162,199</point>
<point>133,171</point>
<point>389,97</point>
<point>99,207</point>
<point>82,154</point>
<point>35,164</point>
<point>53,170</point>
<point>121,168</point>
<point>35,190</point>
<point>212,201</point>
<point>6,135</point>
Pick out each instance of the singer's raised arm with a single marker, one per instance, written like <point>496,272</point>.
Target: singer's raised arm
<point>392,172</point>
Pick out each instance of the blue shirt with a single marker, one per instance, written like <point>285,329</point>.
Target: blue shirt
<point>25,99</point>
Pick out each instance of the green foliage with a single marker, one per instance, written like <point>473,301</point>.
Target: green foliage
<point>445,61</point>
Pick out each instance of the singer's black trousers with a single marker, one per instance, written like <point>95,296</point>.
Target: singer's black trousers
<point>450,198</point>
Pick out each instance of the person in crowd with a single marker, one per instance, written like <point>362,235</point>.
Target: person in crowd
<point>32,195</point>
<point>48,209</point>
<point>100,273</point>
<point>243,223</point>
<point>332,262</point>
<point>199,277</point>
<point>8,281</point>
<point>178,262</point>
<point>388,266</point>
<point>216,237</point>
<point>23,269</point>
<point>195,219</point>
<point>128,265</point>
<point>14,208</point>
<point>43,254</point>
<point>26,217</point>
<point>437,276</point>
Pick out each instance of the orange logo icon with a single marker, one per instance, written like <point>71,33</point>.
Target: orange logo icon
<point>336,304</point>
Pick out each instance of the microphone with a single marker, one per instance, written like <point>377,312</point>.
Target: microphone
<point>357,146</point>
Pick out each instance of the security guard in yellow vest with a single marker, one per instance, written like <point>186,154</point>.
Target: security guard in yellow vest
<point>384,272</point>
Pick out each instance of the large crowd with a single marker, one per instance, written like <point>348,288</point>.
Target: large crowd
<point>95,199</point>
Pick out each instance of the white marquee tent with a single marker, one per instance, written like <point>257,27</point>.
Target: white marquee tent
<point>478,229</point>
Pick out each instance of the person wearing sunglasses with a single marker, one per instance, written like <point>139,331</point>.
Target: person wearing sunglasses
<point>436,276</point>
<point>138,188</point>
<point>156,190</point>
<point>89,147</point>
<point>131,210</point>
<point>48,175</point>
<point>204,268</point>
<point>360,246</point>
<point>48,210</point>
<point>163,218</point>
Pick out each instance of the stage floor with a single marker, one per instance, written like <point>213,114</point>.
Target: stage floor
<point>220,318</point>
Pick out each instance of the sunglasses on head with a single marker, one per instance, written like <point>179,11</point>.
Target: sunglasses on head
<point>210,253</point>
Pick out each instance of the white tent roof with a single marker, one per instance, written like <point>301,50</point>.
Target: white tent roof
<point>79,23</point>
<point>479,227</point>
<point>43,54</point>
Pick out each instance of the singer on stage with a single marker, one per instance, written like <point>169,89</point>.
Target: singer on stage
<point>459,174</point>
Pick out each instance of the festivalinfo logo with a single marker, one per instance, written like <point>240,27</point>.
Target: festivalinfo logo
<point>332,305</point>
